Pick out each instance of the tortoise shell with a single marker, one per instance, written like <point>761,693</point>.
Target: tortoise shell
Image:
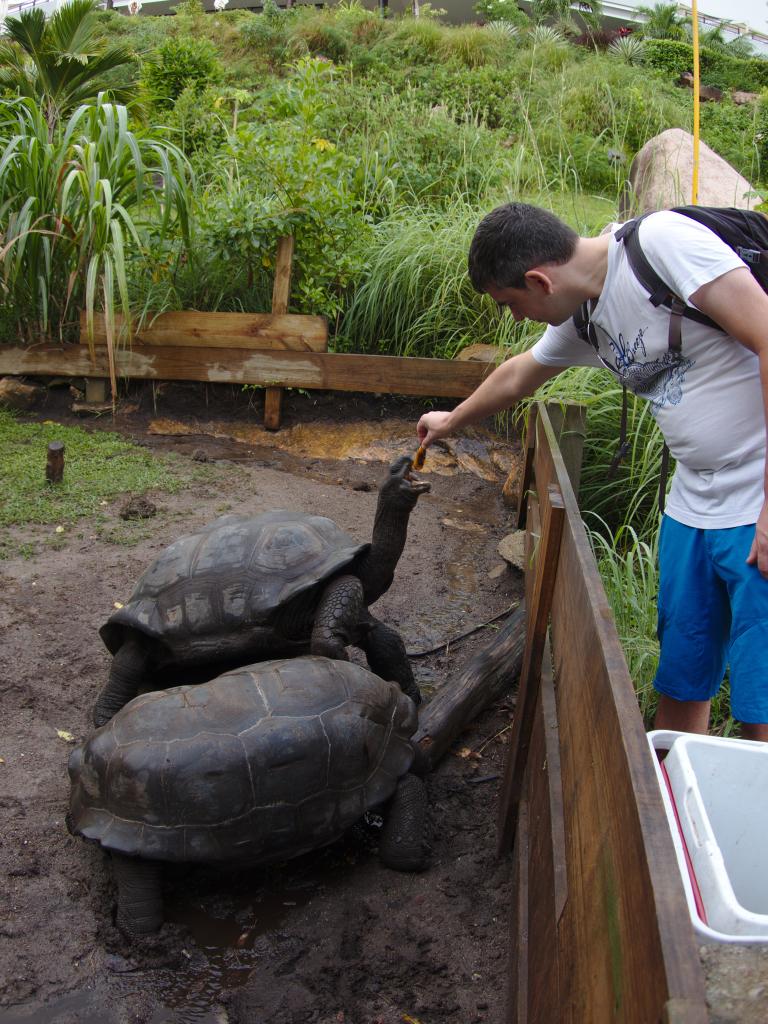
<point>234,573</point>
<point>260,764</point>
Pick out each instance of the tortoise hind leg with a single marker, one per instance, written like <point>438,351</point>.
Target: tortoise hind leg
<point>139,895</point>
<point>405,844</point>
<point>385,651</point>
<point>125,677</point>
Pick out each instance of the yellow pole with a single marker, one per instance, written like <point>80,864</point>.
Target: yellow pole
<point>696,86</point>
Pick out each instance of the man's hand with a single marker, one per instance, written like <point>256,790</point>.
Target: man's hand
<point>758,553</point>
<point>431,426</point>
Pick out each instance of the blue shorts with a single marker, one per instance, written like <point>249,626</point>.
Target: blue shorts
<point>713,612</point>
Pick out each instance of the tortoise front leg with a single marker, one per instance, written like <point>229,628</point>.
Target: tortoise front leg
<point>139,895</point>
<point>405,844</point>
<point>385,651</point>
<point>125,676</point>
<point>337,618</point>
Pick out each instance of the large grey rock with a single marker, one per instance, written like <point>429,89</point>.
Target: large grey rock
<point>661,176</point>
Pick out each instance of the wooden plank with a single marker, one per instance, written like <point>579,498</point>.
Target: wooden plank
<point>281,296</point>
<point>287,331</point>
<point>545,571</point>
<point>626,949</point>
<point>545,1001</point>
<point>517,987</point>
<point>333,371</point>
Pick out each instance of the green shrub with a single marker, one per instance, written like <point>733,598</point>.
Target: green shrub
<point>180,64</point>
<point>414,41</point>
<point>761,133</point>
<point>500,10</point>
<point>731,131</point>
<point>717,68</point>
<point>317,35</point>
<point>285,177</point>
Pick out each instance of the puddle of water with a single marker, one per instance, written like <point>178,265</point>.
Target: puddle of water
<point>462,580</point>
<point>227,946</point>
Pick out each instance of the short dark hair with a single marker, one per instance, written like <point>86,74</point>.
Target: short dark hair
<point>514,238</point>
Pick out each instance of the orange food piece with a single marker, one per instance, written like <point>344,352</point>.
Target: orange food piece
<point>419,457</point>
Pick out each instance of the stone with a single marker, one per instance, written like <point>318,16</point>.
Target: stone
<point>742,98</point>
<point>15,394</point>
<point>661,175</point>
<point>498,571</point>
<point>481,354</point>
<point>706,92</point>
<point>512,549</point>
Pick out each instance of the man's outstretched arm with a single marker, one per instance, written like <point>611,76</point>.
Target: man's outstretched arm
<point>516,378</point>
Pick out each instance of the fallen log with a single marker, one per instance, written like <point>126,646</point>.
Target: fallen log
<point>488,676</point>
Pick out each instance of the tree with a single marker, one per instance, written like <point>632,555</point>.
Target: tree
<point>663,22</point>
<point>561,13</point>
<point>57,63</point>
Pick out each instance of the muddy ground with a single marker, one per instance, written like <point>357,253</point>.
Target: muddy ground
<point>330,937</point>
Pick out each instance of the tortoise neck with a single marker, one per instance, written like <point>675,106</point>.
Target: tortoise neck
<point>390,530</point>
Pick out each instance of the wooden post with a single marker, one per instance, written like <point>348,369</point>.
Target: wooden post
<point>95,390</point>
<point>54,469</point>
<point>569,422</point>
<point>518,489</point>
<point>545,571</point>
<point>281,293</point>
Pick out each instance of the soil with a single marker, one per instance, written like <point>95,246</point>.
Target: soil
<point>329,937</point>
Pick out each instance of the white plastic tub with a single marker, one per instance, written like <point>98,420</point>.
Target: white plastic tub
<point>715,792</point>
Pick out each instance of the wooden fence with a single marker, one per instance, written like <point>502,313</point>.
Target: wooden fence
<point>273,350</point>
<point>600,930</point>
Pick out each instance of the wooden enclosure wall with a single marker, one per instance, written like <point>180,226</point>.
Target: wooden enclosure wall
<point>600,930</point>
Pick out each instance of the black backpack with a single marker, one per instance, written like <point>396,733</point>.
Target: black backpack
<point>745,231</point>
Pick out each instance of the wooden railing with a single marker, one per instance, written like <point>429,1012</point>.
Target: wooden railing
<point>600,930</point>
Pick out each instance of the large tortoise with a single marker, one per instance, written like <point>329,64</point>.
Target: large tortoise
<point>246,588</point>
<point>263,763</point>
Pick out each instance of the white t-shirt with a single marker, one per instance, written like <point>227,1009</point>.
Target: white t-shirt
<point>708,404</point>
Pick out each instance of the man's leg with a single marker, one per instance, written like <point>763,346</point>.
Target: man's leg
<point>748,650</point>
<point>693,629</point>
<point>754,731</point>
<point>682,715</point>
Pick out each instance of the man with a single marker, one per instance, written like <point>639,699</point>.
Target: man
<point>709,400</point>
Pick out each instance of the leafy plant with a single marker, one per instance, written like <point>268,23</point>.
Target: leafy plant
<point>287,177</point>
<point>55,61</point>
<point>73,208</point>
<point>662,22</point>
<point>180,64</point>
<point>628,49</point>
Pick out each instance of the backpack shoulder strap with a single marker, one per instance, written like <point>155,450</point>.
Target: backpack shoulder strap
<point>659,292</point>
<point>629,235</point>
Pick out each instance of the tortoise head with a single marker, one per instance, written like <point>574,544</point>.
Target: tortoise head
<point>400,489</point>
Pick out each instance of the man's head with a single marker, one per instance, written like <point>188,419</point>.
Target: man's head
<point>513,239</point>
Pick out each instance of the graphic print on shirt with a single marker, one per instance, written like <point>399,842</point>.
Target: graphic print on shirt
<point>660,381</point>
